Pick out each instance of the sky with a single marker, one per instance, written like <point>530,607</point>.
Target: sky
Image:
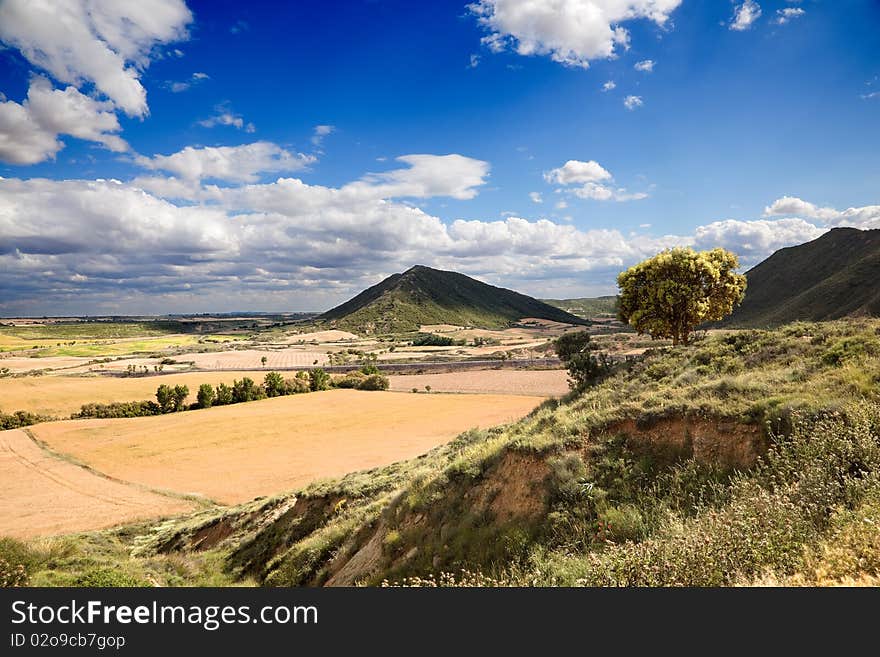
<point>163,156</point>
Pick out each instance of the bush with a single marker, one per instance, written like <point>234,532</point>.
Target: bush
<point>319,380</point>
<point>223,396</point>
<point>20,419</point>
<point>297,385</point>
<point>205,396</point>
<point>350,380</point>
<point>119,409</point>
<point>575,352</point>
<point>374,382</point>
<point>104,577</point>
<point>12,576</point>
<point>246,390</point>
<point>432,340</point>
<point>274,385</point>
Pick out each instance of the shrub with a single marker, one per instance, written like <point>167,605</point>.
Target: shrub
<point>246,390</point>
<point>432,340</point>
<point>319,379</point>
<point>374,382</point>
<point>575,352</point>
<point>205,396</point>
<point>274,385</point>
<point>350,380</point>
<point>104,577</point>
<point>223,395</point>
<point>119,409</point>
<point>297,386</point>
<point>20,419</point>
<point>12,576</point>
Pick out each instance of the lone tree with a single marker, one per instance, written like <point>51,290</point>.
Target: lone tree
<point>669,295</point>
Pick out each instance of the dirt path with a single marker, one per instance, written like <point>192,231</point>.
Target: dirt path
<point>41,494</point>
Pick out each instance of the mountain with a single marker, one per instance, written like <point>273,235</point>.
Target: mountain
<point>586,307</point>
<point>421,295</point>
<point>834,276</point>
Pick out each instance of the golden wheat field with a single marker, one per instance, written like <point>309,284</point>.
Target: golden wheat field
<point>230,454</point>
<point>42,495</point>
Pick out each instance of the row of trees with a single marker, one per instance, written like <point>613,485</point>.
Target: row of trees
<point>172,399</point>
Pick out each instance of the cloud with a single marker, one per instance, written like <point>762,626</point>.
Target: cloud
<point>791,205</point>
<point>576,171</point>
<point>633,102</point>
<point>451,175</point>
<point>645,66</point>
<point>105,42</point>
<point>321,131</point>
<point>873,94</point>
<point>608,86</point>
<point>474,61</point>
<point>755,240</point>
<point>536,197</point>
<point>230,163</point>
<point>592,177</point>
<point>865,217</point>
<point>178,87</point>
<point>287,245</point>
<point>744,15</point>
<point>571,32</point>
<point>225,116</point>
<point>239,27</point>
<point>29,131</point>
<point>783,16</point>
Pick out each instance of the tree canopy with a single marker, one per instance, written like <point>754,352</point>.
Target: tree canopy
<point>669,295</point>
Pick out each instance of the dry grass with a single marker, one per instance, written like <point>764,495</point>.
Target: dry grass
<point>234,453</point>
<point>546,383</point>
<point>42,495</point>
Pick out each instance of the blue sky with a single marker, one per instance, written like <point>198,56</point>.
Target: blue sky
<point>216,156</point>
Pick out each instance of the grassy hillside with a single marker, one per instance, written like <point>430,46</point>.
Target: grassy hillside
<point>587,307</point>
<point>421,295</point>
<point>831,277</point>
<point>749,457</point>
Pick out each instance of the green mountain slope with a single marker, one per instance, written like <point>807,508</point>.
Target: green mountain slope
<point>831,277</point>
<point>586,307</point>
<point>421,295</point>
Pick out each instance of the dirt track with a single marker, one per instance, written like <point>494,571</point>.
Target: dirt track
<point>42,495</point>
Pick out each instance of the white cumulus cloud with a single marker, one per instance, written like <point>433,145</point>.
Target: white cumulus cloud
<point>572,32</point>
<point>633,102</point>
<point>105,42</point>
<point>744,15</point>
<point>230,163</point>
<point>645,66</point>
<point>29,131</point>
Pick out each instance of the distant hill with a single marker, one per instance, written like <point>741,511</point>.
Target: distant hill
<point>587,307</point>
<point>421,295</point>
<point>834,276</point>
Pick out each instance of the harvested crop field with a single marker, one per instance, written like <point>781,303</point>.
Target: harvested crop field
<point>546,383</point>
<point>42,495</point>
<point>248,358</point>
<point>235,453</point>
<point>59,396</point>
